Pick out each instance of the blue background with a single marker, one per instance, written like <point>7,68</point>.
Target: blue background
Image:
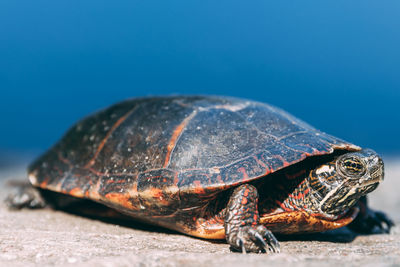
<point>335,64</point>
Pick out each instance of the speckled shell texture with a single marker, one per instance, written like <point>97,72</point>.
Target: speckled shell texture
<point>155,156</point>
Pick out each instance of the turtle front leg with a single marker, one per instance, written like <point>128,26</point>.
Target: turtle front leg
<point>370,221</point>
<point>25,196</point>
<point>242,229</point>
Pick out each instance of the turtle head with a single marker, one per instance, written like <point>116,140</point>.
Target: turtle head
<point>337,185</point>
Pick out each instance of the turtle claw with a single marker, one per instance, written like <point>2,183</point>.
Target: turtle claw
<point>267,239</point>
<point>241,245</point>
<point>256,239</point>
<point>382,222</point>
<point>261,241</point>
<point>273,244</point>
<point>373,222</point>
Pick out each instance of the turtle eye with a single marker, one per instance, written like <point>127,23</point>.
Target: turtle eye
<point>352,166</point>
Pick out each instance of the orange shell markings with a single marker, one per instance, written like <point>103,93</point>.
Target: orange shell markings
<point>76,192</point>
<point>121,199</point>
<point>298,222</point>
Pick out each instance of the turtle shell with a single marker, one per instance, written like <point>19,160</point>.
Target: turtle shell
<point>162,158</point>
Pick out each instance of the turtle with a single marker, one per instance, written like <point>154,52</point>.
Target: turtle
<point>211,167</point>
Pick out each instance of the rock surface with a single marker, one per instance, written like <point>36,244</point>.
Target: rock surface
<point>48,237</point>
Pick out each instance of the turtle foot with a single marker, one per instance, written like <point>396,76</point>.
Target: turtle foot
<point>255,239</point>
<point>242,228</point>
<point>25,196</point>
<point>372,222</point>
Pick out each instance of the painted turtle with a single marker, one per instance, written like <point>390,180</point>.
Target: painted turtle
<point>212,167</point>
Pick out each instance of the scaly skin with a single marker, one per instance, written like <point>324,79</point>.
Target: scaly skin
<point>242,229</point>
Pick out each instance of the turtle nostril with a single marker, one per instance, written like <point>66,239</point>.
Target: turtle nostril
<point>377,173</point>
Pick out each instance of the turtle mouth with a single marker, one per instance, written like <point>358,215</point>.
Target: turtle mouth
<point>369,187</point>
<point>334,207</point>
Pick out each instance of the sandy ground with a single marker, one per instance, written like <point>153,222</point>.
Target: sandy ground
<point>48,237</point>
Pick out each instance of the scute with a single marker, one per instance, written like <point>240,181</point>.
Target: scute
<point>216,137</point>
